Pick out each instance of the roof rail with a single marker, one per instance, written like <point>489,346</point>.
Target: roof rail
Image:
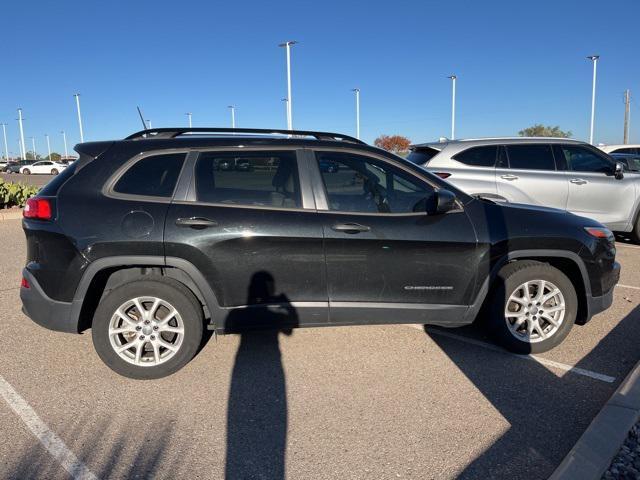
<point>176,132</point>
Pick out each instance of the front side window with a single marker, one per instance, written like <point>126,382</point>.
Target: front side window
<point>153,176</point>
<point>478,156</point>
<point>262,179</point>
<point>581,159</point>
<point>362,184</point>
<point>531,157</point>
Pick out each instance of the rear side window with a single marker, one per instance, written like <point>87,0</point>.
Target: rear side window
<point>422,156</point>
<point>153,176</point>
<point>263,179</point>
<point>478,156</point>
<point>531,157</point>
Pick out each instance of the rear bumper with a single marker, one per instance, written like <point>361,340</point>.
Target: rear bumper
<point>601,303</point>
<point>46,312</point>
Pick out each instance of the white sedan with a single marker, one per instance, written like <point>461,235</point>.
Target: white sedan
<point>45,166</point>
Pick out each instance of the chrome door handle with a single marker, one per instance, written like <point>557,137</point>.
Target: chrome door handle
<point>509,177</point>
<point>578,181</point>
<point>196,222</point>
<point>350,228</point>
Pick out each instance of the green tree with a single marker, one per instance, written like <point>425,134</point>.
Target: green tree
<point>539,130</point>
<point>55,157</point>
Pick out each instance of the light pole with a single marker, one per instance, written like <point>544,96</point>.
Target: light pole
<point>33,144</point>
<point>6,147</point>
<point>286,110</point>
<point>453,106</point>
<point>149,124</point>
<point>22,147</point>
<point>64,139</point>
<point>188,114</point>
<point>357,92</point>
<point>233,115</point>
<point>287,45</point>
<point>46,135</point>
<point>594,59</point>
<point>77,95</point>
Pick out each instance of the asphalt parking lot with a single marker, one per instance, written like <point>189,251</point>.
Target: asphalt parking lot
<point>36,180</point>
<point>357,402</point>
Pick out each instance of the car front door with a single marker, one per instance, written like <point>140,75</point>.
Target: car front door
<point>387,259</point>
<point>594,191</point>
<point>527,174</point>
<point>253,234</point>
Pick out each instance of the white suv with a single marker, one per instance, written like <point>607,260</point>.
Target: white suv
<point>552,172</point>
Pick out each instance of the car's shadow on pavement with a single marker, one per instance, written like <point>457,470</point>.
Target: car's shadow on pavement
<point>547,412</point>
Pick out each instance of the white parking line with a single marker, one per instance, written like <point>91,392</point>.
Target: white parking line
<point>627,286</point>
<point>543,361</point>
<point>49,440</point>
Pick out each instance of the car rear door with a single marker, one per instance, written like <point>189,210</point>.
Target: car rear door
<point>253,234</point>
<point>387,260</point>
<point>527,173</point>
<point>594,191</point>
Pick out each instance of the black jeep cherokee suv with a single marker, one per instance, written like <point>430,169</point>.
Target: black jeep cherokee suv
<point>148,242</point>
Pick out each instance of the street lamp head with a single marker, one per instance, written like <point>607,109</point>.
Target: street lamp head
<point>287,43</point>
<point>285,99</point>
<point>231,106</point>
<point>355,89</point>
<point>452,77</point>
<point>593,57</point>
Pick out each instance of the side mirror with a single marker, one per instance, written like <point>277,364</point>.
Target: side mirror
<point>442,201</point>
<point>619,171</point>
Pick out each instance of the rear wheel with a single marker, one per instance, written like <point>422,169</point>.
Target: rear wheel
<point>54,171</point>
<point>148,328</point>
<point>635,233</point>
<point>533,307</point>
<point>26,171</point>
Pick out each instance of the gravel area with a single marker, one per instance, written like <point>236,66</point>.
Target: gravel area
<point>626,465</point>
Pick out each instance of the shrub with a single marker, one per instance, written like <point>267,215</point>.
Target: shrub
<point>15,194</point>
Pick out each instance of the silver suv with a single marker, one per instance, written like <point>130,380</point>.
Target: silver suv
<point>552,172</point>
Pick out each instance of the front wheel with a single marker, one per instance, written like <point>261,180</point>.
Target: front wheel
<point>26,171</point>
<point>533,307</point>
<point>148,328</point>
<point>54,171</point>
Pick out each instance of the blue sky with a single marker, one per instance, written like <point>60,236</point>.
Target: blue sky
<point>516,65</point>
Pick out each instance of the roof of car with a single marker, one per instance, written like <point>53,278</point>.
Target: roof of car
<point>439,145</point>
<point>608,148</point>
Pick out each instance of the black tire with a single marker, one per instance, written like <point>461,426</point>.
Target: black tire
<point>509,279</point>
<point>54,171</point>
<point>176,294</point>
<point>26,171</point>
<point>635,233</point>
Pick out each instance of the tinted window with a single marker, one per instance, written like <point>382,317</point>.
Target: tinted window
<point>478,156</point>
<point>154,176</point>
<point>265,179</point>
<point>581,159</point>
<point>531,157</point>
<point>421,156</point>
<point>624,150</point>
<point>362,184</point>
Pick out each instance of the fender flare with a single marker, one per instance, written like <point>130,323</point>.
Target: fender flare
<point>209,297</point>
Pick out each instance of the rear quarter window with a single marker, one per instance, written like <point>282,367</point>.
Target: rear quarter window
<point>153,176</point>
<point>421,156</point>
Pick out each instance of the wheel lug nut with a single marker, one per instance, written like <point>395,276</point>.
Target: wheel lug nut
<point>147,322</point>
<point>141,337</point>
<point>155,327</point>
<point>153,337</point>
<point>138,327</point>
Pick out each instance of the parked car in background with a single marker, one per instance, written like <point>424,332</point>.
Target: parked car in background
<point>148,245</point>
<point>14,167</point>
<point>630,161</point>
<point>3,164</point>
<point>43,167</point>
<point>633,149</point>
<point>328,166</point>
<point>552,172</point>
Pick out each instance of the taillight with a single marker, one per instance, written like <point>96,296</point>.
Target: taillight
<point>39,208</point>
<point>24,283</point>
<point>599,232</point>
<point>443,174</point>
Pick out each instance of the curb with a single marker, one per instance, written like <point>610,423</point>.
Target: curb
<point>10,215</point>
<point>599,444</point>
